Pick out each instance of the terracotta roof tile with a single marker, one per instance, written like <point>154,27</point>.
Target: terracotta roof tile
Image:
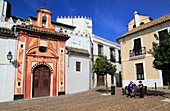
<point>147,25</point>
<point>6,31</point>
<point>31,28</point>
<point>83,51</point>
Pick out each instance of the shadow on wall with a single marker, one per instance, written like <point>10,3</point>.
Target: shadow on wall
<point>14,63</point>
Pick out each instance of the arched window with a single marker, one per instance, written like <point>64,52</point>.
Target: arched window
<point>141,23</point>
<point>61,29</point>
<point>134,26</point>
<point>42,49</point>
<point>44,22</point>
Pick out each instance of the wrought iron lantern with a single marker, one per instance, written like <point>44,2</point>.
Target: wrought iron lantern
<point>9,56</point>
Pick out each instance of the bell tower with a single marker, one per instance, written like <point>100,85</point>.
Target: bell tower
<point>46,22</point>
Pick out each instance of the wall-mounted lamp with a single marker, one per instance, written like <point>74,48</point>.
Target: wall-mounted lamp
<point>9,56</point>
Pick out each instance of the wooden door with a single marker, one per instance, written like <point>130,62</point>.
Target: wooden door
<point>100,80</point>
<point>41,81</point>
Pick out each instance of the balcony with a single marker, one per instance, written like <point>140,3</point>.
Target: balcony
<point>112,59</point>
<point>134,53</point>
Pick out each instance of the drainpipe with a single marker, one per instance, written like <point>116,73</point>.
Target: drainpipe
<point>16,62</point>
<point>68,52</point>
<point>68,58</point>
<point>25,61</point>
<point>90,63</point>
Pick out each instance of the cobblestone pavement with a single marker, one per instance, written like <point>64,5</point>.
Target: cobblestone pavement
<point>94,100</point>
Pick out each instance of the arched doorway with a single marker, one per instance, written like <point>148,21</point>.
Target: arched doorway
<point>41,81</point>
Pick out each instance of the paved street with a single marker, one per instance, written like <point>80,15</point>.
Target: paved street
<point>94,100</point>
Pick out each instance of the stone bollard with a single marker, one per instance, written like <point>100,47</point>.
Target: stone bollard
<point>168,85</point>
<point>155,86</point>
<point>112,90</point>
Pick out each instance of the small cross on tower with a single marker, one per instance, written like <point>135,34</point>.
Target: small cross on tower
<point>45,3</point>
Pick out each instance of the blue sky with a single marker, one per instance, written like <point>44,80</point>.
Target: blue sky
<point>110,17</point>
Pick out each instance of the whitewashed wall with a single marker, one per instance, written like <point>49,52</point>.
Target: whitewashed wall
<point>7,69</point>
<point>77,41</point>
<point>77,81</point>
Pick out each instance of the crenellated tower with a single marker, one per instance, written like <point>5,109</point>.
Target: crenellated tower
<point>83,24</point>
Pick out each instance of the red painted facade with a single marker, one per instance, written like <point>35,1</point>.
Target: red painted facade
<point>29,56</point>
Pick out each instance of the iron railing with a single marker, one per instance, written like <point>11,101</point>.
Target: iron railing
<point>141,51</point>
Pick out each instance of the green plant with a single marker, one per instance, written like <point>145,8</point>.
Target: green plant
<point>161,53</point>
<point>103,67</point>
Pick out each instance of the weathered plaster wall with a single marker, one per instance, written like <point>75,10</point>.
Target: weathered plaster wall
<point>77,81</point>
<point>7,69</point>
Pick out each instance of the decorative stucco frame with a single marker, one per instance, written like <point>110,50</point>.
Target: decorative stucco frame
<point>51,80</point>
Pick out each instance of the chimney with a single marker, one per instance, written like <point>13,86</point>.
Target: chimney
<point>136,18</point>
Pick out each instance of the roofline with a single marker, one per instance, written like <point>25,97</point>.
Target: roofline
<point>68,48</point>
<point>107,40</point>
<point>42,32</point>
<point>144,27</point>
<point>7,32</point>
<point>8,35</point>
<point>54,22</point>
<point>19,18</point>
<point>74,52</point>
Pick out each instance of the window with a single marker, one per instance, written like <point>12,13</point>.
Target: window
<point>19,83</point>
<point>61,29</point>
<point>139,71</point>
<point>100,50</point>
<point>138,49</point>
<point>21,45</point>
<point>141,23</point>
<point>44,22</point>
<point>119,56</point>
<point>134,26</point>
<point>112,55</point>
<point>61,51</point>
<point>137,46</point>
<point>61,82</point>
<point>78,66</point>
<point>42,49</point>
<point>161,34</point>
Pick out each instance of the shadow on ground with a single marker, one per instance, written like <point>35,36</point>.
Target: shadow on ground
<point>156,93</point>
<point>102,90</point>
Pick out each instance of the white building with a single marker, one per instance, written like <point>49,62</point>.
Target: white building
<point>8,45</point>
<point>78,58</point>
<point>79,54</point>
<point>104,47</point>
<point>84,27</point>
